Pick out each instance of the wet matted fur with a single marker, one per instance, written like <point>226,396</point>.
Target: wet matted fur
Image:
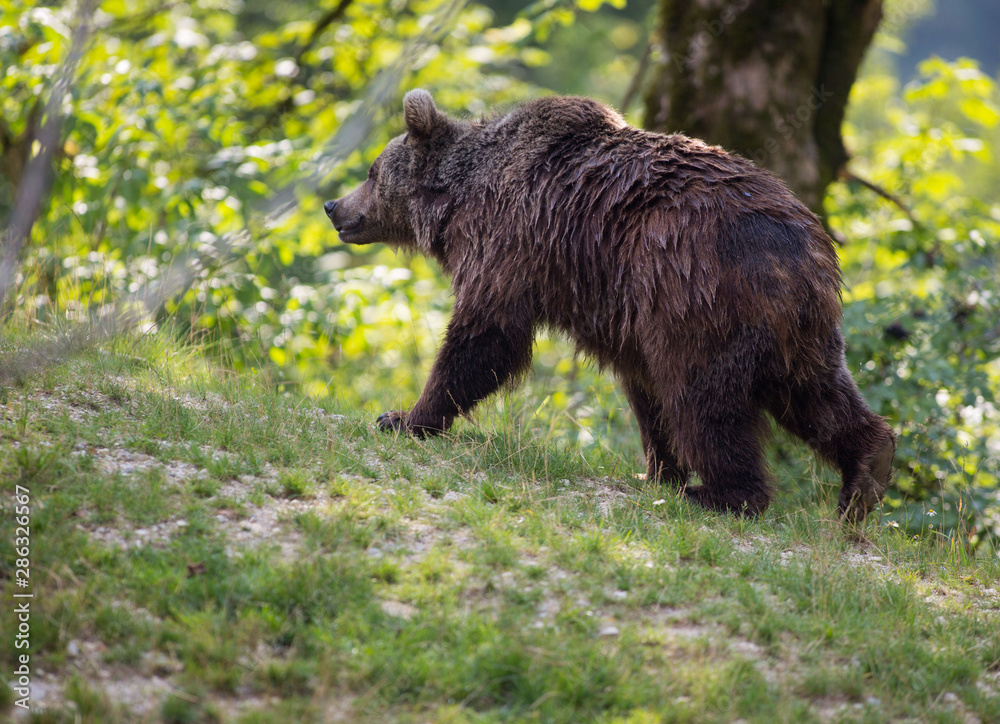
<point>699,279</point>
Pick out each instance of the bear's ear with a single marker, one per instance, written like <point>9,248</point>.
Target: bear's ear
<point>421,115</point>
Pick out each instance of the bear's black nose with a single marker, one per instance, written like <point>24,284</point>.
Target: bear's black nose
<point>328,207</point>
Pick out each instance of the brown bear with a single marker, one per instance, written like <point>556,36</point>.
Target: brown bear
<point>699,279</point>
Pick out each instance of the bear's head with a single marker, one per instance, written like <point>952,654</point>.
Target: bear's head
<point>399,203</point>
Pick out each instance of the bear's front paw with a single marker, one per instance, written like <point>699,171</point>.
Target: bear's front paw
<point>392,421</point>
<point>865,491</point>
<point>749,504</point>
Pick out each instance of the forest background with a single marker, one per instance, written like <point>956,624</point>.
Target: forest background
<point>197,142</point>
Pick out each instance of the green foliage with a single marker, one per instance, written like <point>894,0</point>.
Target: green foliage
<point>187,120</point>
<point>179,130</point>
<point>921,302</point>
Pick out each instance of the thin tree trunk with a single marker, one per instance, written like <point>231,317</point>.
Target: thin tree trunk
<point>768,79</point>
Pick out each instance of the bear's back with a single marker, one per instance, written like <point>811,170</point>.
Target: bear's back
<point>607,229</point>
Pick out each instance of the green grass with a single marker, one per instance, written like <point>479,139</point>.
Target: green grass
<point>275,559</point>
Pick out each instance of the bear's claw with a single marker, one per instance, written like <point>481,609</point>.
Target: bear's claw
<point>392,421</point>
<point>870,485</point>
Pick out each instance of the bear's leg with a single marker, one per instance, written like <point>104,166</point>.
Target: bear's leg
<point>832,417</point>
<point>721,439</point>
<point>661,463</point>
<point>474,361</point>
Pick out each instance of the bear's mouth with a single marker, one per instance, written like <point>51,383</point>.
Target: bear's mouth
<point>348,230</point>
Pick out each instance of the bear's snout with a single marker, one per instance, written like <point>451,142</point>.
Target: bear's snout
<point>346,223</point>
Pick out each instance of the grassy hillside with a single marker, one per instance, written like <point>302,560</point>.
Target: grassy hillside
<point>204,548</point>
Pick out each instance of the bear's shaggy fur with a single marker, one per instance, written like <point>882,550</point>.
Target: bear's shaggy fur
<point>699,279</point>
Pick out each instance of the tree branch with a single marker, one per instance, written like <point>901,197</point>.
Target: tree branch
<point>325,21</point>
<point>640,73</point>
<point>35,184</point>
<point>120,24</point>
<point>847,175</point>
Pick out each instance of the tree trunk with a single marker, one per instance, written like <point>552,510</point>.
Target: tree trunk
<point>768,79</point>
